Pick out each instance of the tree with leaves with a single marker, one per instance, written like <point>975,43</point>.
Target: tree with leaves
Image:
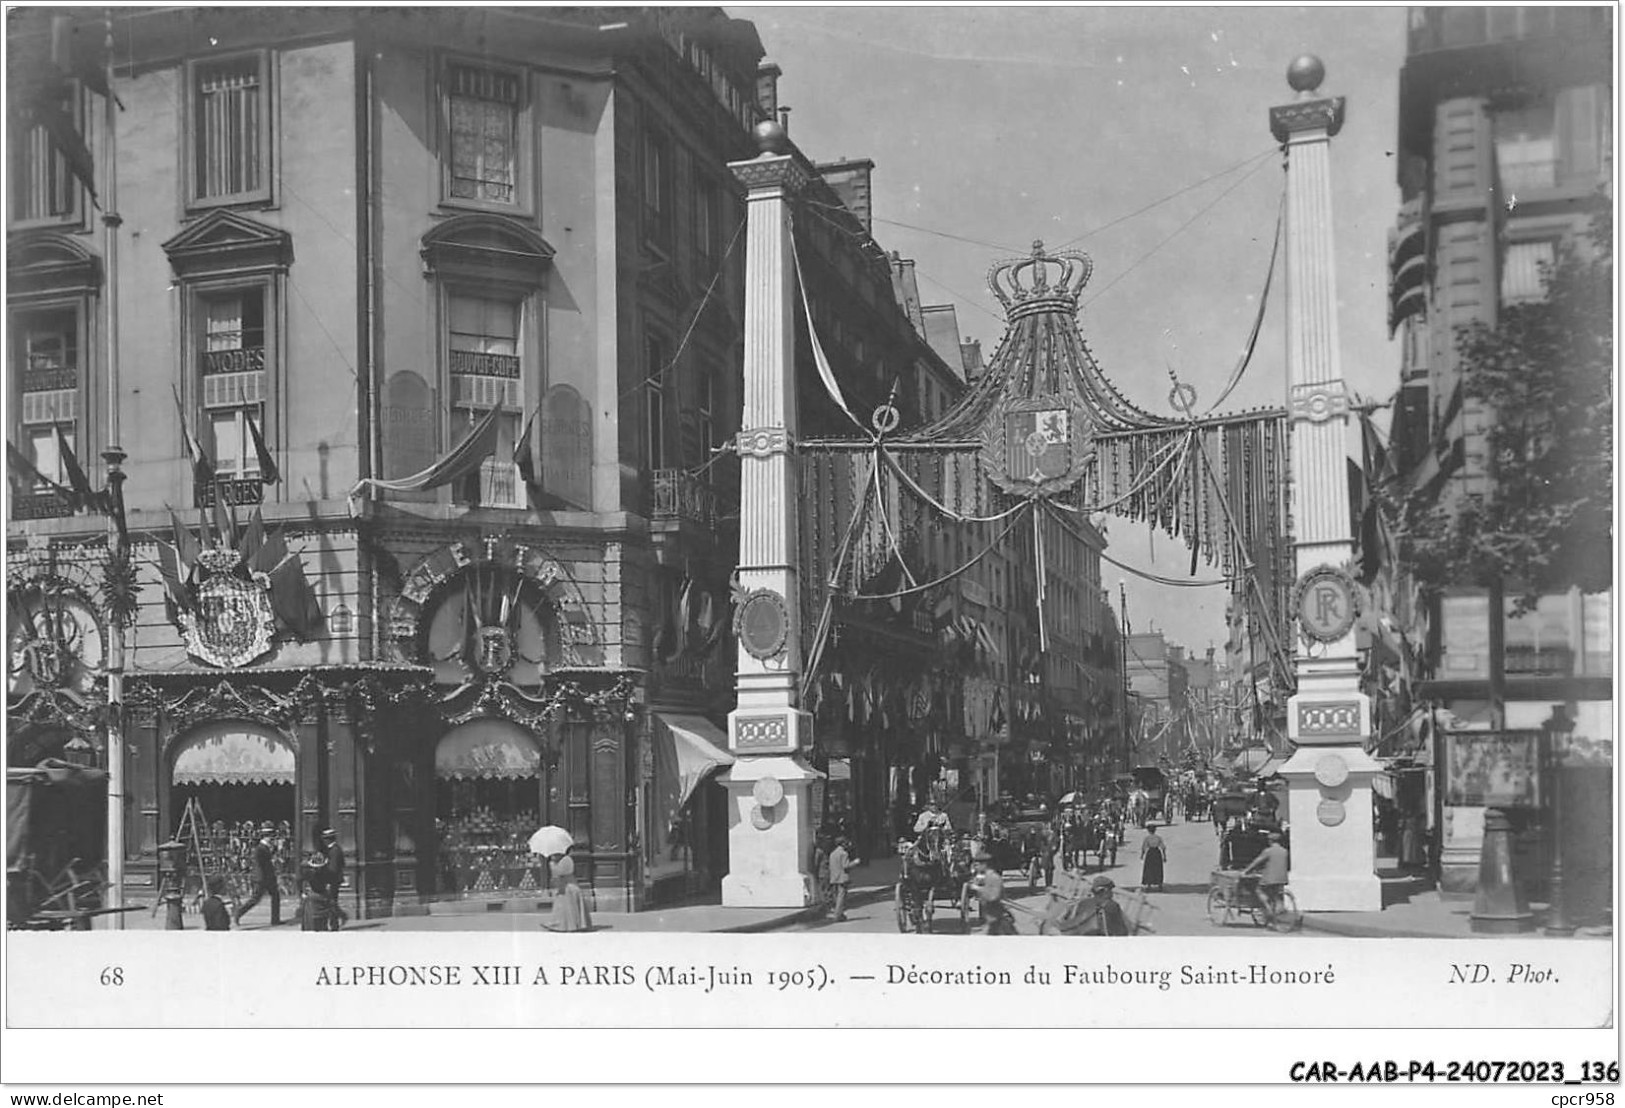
<point>1545,374</point>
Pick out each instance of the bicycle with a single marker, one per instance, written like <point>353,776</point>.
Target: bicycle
<point>1233,893</point>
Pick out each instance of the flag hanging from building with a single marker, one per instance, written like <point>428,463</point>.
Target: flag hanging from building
<point>269,473</point>
<point>463,460</point>
<point>202,466</point>
<point>524,455</point>
<point>83,495</point>
<point>25,476</point>
<point>43,67</point>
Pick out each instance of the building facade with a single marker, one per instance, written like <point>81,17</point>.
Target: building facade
<point>360,237</point>
<point>1506,153</point>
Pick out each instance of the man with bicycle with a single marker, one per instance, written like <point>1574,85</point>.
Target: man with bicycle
<point>1271,866</point>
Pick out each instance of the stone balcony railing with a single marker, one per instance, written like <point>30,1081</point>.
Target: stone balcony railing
<point>679,496</point>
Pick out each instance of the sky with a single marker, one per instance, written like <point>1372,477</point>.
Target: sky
<point>1139,135</point>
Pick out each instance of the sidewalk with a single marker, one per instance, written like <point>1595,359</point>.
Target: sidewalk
<point>1428,915</point>
<point>871,881</point>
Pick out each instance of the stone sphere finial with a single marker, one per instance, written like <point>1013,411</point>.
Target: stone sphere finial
<point>1305,73</point>
<point>771,137</point>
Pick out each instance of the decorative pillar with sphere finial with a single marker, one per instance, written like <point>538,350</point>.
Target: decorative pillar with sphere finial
<point>770,826</point>
<point>1329,719</point>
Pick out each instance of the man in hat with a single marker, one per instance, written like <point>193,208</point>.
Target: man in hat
<point>1105,916</point>
<point>988,885</point>
<point>1272,867</point>
<point>337,917</point>
<point>840,877</point>
<point>264,879</point>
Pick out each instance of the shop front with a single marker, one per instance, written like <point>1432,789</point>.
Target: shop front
<point>685,814</point>
<point>489,786</point>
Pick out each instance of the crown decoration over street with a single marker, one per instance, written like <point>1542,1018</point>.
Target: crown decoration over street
<point>1040,282</point>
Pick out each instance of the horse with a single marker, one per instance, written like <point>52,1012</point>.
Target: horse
<point>927,867</point>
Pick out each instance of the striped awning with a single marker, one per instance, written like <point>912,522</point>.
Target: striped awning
<point>488,748</point>
<point>231,754</point>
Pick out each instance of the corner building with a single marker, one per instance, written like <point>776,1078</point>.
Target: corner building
<point>358,232</point>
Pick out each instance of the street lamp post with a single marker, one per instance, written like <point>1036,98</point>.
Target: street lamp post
<point>1555,737</point>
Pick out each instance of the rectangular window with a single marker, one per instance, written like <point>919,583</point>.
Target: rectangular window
<point>45,370</point>
<point>230,352</point>
<point>483,339</point>
<point>657,188</point>
<point>705,405</point>
<point>1539,643</point>
<point>654,402</point>
<point>483,109</point>
<point>230,123</point>
<point>1522,271</point>
<point>41,188</point>
<point>707,221</point>
<point>1526,148</point>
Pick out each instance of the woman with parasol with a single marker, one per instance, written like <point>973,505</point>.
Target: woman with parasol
<point>569,903</point>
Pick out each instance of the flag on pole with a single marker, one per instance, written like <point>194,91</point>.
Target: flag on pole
<point>83,495</point>
<point>25,476</point>
<point>202,467</point>
<point>463,459</point>
<point>523,453</point>
<point>253,537</point>
<point>169,568</point>
<point>269,473</point>
<point>186,544</point>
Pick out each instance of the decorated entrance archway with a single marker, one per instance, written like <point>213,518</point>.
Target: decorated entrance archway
<point>242,776</point>
<point>491,783</point>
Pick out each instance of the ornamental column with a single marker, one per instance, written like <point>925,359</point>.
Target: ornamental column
<point>770,829</point>
<point>1329,720</point>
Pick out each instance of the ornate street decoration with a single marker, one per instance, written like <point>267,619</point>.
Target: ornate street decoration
<point>1326,602</point>
<point>762,623</point>
<point>494,650</point>
<point>55,634</point>
<point>231,622</point>
<point>495,579</point>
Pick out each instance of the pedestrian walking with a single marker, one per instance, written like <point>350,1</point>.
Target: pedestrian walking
<point>337,917</point>
<point>318,893</point>
<point>820,872</point>
<point>264,879</point>
<point>216,917</point>
<point>1153,853</point>
<point>569,903</point>
<point>840,876</point>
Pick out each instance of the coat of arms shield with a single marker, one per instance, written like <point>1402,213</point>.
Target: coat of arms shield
<point>231,623</point>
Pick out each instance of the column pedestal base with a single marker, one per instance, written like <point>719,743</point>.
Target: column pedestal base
<point>769,849</point>
<point>1329,801</point>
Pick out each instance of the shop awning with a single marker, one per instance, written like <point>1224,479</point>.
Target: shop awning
<point>233,755</point>
<point>1272,766</point>
<point>840,769</point>
<point>697,749</point>
<point>487,748</point>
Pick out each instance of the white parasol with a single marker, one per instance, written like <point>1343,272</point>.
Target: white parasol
<point>1069,798</point>
<point>551,840</point>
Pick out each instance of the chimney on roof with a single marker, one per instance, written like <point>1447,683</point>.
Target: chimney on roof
<point>850,180</point>
<point>767,89</point>
<point>970,356</point>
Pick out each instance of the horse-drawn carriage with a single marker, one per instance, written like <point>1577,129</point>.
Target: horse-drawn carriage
<point>936,872</point>
<point>55,815</point>
<point>1025,844</point>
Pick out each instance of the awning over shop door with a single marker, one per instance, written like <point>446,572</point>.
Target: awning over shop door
<point>840,769</point>
<point>1272,766</point>
<point>488,748</point>
<point>694,748</point>
<point>231,754</point>
<point>688,749</point>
